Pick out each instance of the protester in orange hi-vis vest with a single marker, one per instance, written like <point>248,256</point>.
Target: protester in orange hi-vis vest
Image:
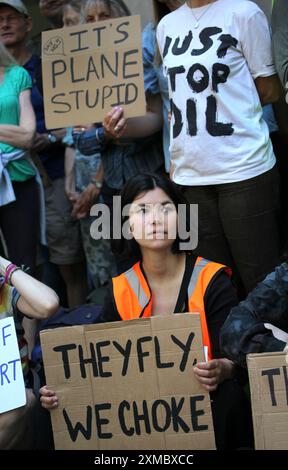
<point>168,279</point>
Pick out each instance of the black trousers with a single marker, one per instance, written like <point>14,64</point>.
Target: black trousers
<point>239,225</point>
<point>19,222</point>
<point>280,150</point>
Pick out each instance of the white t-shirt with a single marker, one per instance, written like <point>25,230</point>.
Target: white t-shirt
<point>217,131</point>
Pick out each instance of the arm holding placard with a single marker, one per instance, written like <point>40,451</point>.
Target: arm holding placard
<point>117,126</point>
<point>219,300</point>
<point>37,301</point>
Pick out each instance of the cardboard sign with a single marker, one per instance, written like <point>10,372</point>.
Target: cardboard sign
<point>268,376</point>
<point>129,385</point>
<point>91,68</point>
<point>12,388</point>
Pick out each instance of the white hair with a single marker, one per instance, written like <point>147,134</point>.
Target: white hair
<point>91,3</point>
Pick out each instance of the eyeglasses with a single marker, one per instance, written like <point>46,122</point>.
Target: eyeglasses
<point>11,18</point>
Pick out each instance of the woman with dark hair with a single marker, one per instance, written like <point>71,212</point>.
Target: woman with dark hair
<point>150,234</point>
<point>166,280</point>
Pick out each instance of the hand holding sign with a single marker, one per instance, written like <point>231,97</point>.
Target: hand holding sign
<point>114,123</point>
<point>48,398</point>
<point>210,374</point>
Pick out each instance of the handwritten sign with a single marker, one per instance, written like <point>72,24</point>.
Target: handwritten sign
<point>129,385</point>
<point>88,69</point>
<point>268,376</point>
<point>12,388</point>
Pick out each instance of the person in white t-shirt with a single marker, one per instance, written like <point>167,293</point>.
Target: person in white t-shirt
<point>217,55</point>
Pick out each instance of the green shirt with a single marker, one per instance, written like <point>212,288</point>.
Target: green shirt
<point>16,79</point>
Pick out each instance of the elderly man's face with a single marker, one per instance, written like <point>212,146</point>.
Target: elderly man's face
<point>52,8</point>
<point>14,27</point>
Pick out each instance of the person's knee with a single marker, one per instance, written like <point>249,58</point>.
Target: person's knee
<point>15,425</point>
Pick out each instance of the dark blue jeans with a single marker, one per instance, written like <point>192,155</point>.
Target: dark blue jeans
<point>19,223</point>
<point>239,225</point>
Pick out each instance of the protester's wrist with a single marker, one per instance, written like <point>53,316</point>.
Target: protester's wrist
<point>52,138</point>
<point>4,263</point>
<point>107,135</point>
<point>100,134</point>
<point>228,369</point>
<point>9,272</point>
<point>97,183</point>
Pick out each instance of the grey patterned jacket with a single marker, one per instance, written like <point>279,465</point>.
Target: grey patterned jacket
<point>244,332</point>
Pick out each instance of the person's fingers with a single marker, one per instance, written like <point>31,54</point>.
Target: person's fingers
<point>208,381</point>
<point>115,118</point>
<point>208,384</point>
<point>49,406</point>
<point>120,133</point>
<point>107,117</point>
<point>213,364</point>
<point>83,203</point>
<point>204,373</point>
<point>49,402</point>
<point>81,215</point>
<point>45,391</point>
<point>119,125</point>
<point>74,212</point>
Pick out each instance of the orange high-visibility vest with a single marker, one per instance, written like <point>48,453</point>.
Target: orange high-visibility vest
<point>134,300</point>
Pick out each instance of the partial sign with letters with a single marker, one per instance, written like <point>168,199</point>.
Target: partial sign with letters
<point>268,376</point>
<point>12,388</point>
<point>89,69</point>
<point>129,385</point>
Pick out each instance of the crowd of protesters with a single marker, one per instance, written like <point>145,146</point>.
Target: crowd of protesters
<point>212,135</point>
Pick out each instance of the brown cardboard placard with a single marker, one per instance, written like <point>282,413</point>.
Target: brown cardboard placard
<point>268,377</point>
<point>89,69</point>
<point>132,368</point>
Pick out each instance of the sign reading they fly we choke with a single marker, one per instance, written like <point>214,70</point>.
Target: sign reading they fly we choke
<point>89,69</point>
<point>129,385</point>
